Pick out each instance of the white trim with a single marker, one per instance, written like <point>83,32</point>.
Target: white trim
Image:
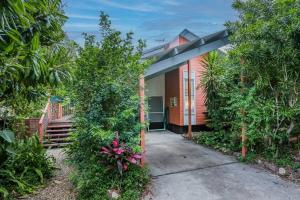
<point>194,114</point>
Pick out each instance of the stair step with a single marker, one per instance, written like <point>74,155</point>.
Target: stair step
<point>61,122</point>
<point>52,126</point>
<point>59,130</point>
<point>50,140</point>
<point>57,144</point>
<point>57,135</point>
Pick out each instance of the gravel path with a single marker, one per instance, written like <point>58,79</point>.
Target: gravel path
<point>59,187</point>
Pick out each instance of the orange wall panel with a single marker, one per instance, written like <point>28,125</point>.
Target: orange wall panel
<point>173,90</point>
<point>196,66</point>
<point>177,42</point>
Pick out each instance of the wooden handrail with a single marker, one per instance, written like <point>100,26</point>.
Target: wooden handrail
<point>44,120</point>
<point>52,111</point>
<point>67,110</point>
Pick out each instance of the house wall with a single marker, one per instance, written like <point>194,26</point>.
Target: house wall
<point>197,67</point>
<point>173,89</point>
<point>177,41</point>
<point>170,85</point>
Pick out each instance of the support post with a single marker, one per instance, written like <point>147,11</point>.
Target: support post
<point>243,136</point>
<point>60,110</point>
<point>142,117</point>
<point>190,134</point>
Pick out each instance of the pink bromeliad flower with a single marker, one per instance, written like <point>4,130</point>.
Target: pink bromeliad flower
<point>132,160</point>
<point>118,151</point>
<point>105,150</point>
<point>137,156</point>
<point>120,155</point>
<point>115,143</point>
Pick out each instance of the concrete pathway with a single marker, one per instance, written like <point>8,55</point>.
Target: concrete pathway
<point>183,170</point>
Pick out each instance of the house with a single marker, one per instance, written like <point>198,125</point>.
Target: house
<point>166,81</point>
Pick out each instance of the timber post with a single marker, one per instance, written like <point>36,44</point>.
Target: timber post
<point>243,112</point>
<point>190,133</point>
<point>142,117</point>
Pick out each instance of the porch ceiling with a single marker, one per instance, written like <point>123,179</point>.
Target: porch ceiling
<point>173,58</point>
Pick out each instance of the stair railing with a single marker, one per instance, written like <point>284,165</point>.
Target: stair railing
<point>53,111</point>
<point>44,120</point>
<point>67,110</point>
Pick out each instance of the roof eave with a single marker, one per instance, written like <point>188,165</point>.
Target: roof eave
<point>194,49</point>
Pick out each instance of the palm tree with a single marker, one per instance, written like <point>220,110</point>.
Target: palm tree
<point>210,78</point>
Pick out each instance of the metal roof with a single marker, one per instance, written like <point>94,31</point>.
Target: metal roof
<point>190,36</point>
<point>168,60</point>
<point>159,50</point>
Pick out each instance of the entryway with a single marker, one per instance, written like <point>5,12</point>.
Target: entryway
<point>183,170</point>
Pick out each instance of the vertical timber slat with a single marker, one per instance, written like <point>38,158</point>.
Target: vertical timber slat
<point>142,118</point>
<point>60,111</point>
<point>190,134</point>
<point>243,136</point>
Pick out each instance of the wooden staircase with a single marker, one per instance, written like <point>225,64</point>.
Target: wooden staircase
<point>57,134</point>
<point>55,125</point>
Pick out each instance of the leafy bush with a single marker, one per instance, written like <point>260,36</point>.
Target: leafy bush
<point>6,139</point>
<point>223,141</point>
<point>95,173</point>
<point>258,83</point>
<point>93,180</point>
<point>25,168</point>
<point>106,99</point>
<point>34,57</point>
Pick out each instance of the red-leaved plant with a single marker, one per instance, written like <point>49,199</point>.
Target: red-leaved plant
<point>120,155</point>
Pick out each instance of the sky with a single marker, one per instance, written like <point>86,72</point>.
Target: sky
<point>156,21</point>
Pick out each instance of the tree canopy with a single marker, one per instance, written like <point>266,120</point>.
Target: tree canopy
<point>266,56</point>
<point>31,45</point>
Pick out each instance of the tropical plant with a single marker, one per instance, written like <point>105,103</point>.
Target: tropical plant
<point>34,58</point>
<point>259,80</point>
<point>213,70</point>
<point>120,156</point>
<point>33,54</point>
<point>7,137</point>
<point>25,167</point>
<point>28,30</point>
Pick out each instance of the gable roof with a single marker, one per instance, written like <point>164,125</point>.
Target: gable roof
<point>170,59</point>
<point>156,51</point>
<point>188,35</point>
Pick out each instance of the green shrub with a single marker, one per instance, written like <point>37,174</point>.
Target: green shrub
<point>93,175</point>
<point>26,167</point>
<point>221,140</point>
<point>93,180</point>
<point>106,96</point>
<point>257,83</point>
